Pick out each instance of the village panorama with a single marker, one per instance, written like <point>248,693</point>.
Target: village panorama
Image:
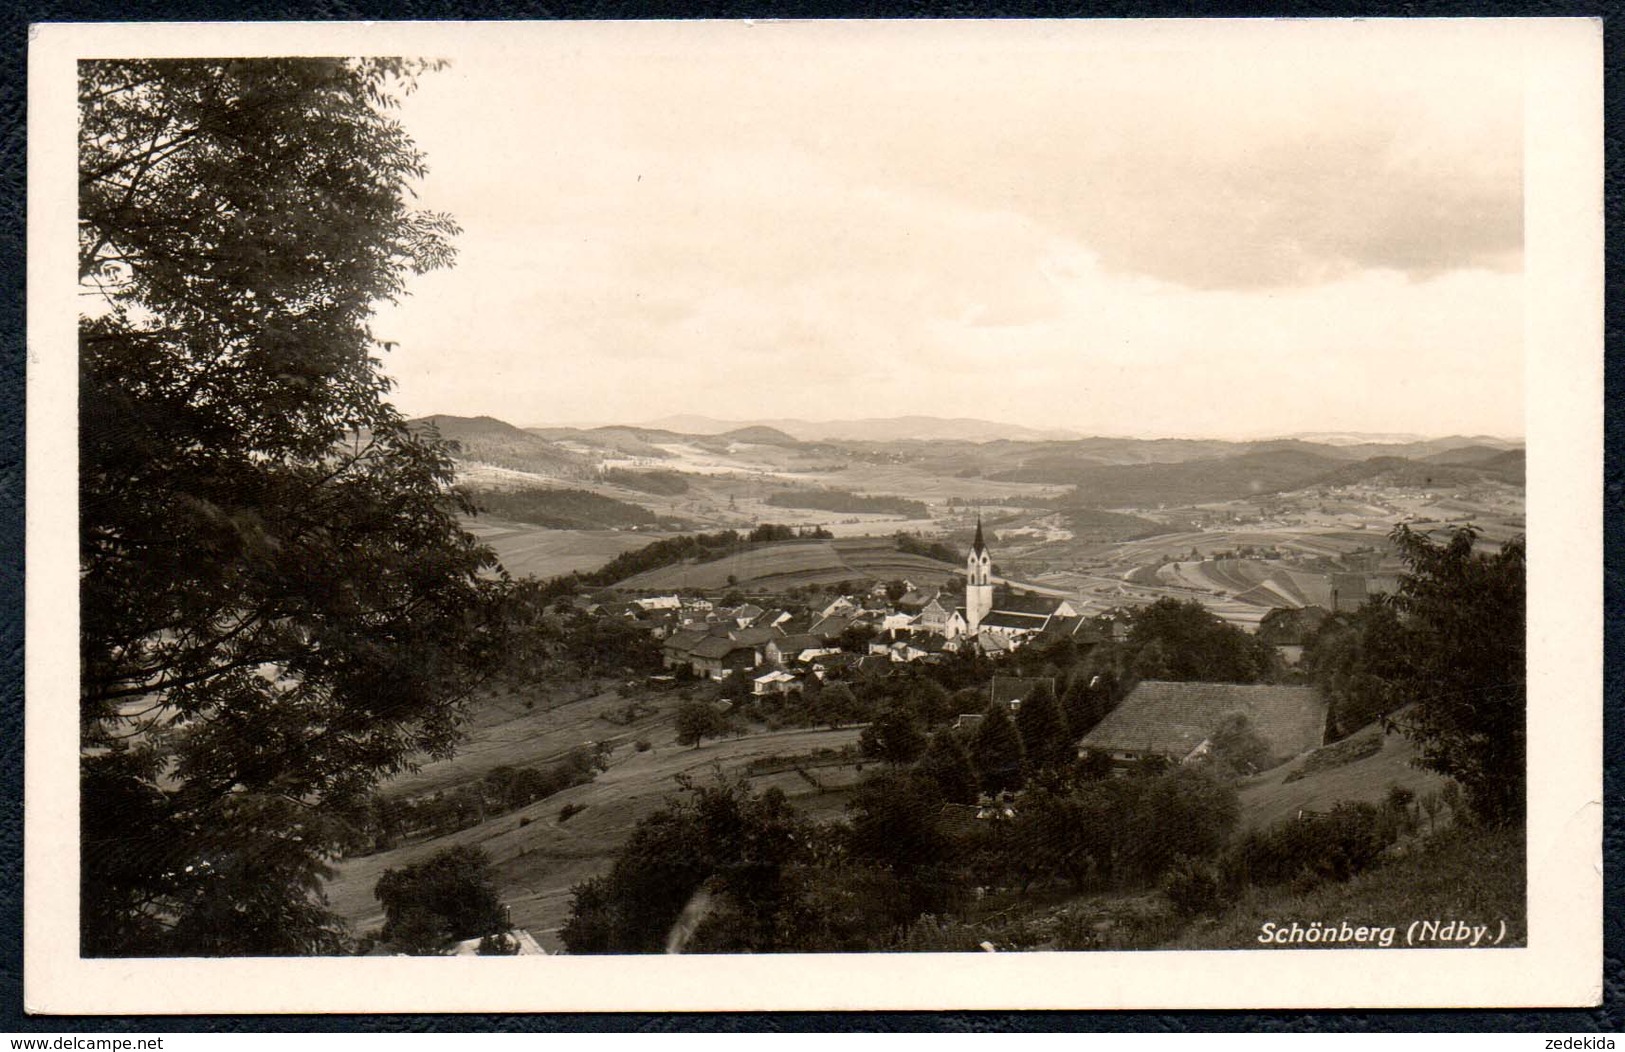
<point>357,681</point>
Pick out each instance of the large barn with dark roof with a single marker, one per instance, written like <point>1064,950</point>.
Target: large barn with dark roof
<point>1174,720</point>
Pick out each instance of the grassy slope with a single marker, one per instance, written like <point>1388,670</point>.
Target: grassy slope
<point>531,550</point>
<point>539,862</point>
<point>797,563</point>
<point>1268,799</point>
<point>1459,874</point>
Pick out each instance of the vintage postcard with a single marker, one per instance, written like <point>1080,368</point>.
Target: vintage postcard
<point>814,515</point>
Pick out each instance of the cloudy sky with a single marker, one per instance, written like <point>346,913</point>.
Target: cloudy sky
<point>1119,229</point>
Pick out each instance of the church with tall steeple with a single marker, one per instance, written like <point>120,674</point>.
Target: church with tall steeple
<point>1015,619</point>
<point>978,582</point>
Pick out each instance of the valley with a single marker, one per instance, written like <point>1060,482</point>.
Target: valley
<point>1242,527</point>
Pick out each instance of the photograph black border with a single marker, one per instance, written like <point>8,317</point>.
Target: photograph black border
<point>1610,1016</point>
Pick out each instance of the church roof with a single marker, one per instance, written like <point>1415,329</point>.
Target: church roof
<point>978,545</point>
<point>1001,618</point>
<point>1035,605</point>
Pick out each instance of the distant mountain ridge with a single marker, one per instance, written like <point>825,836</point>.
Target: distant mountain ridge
<point>872,429</point>
<point>917,427</point>
<point>1102,472</point>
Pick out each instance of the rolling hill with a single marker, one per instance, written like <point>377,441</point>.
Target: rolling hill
<point>778,567</point>
<point>488,440</point>
<point>1189,482</point>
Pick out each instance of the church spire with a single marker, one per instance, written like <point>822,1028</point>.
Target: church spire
<point>978,545</point>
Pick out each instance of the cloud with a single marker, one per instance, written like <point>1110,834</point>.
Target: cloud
<point>1128,240</point>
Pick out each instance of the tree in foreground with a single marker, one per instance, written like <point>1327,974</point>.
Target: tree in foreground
<point>450,895</point>
<point>739,845</point>
<point>1465,615</point>
<point>278,605</point>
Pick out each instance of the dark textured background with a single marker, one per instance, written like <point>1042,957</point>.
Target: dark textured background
<point>1609,1018</point>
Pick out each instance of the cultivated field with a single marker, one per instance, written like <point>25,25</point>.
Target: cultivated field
<point>794,563</point>
<point>535,551</point>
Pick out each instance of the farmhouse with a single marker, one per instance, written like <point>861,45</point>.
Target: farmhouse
<point>717,656</point>
<point>716,650</point>
<point>1174,720</point>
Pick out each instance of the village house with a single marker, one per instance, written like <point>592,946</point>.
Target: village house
<point>718,649</point>
<point>774,682</point>
<point>717,657</point>
<point>785,650</point>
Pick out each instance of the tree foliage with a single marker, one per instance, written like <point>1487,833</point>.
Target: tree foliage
<point>1184,641</point>
<point>698,720</point>
<point>735,842</point>
<point>1465,615</point>
<point>947,765</point>
<point>996,750</point>
<point>452,893</point>
<point>278,605</point>
<point>1445,655</point>
<point>1359,662</point>
<point>894,736</point>
<point>1044,735</point>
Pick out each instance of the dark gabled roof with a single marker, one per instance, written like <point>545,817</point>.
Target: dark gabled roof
<point>874,663</point>
<point>716,647</point>
<point>1061,627</point>
<point>749,610</point>
<point>917,597</point>
<point>842,660</point>
<point>1041,605</point>
<point>797,643</point>
<point>755,637</point>
<point>686,639</point>
<point>830,627</point>
<point>988,643</point>
<point>769,618</point>
<point>1017,688</point>
<point>1174,718</point>
<point>1009,619</point>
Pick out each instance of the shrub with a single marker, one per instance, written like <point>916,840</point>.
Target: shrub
<point>569,811</point>
<point>498,944</point>
<point>1195,887</point>
<point>642,745</point>
<point>1308,851</point>
<point>1124,925</point>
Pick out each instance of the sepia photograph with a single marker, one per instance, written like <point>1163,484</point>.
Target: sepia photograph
<point>775,515</point>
